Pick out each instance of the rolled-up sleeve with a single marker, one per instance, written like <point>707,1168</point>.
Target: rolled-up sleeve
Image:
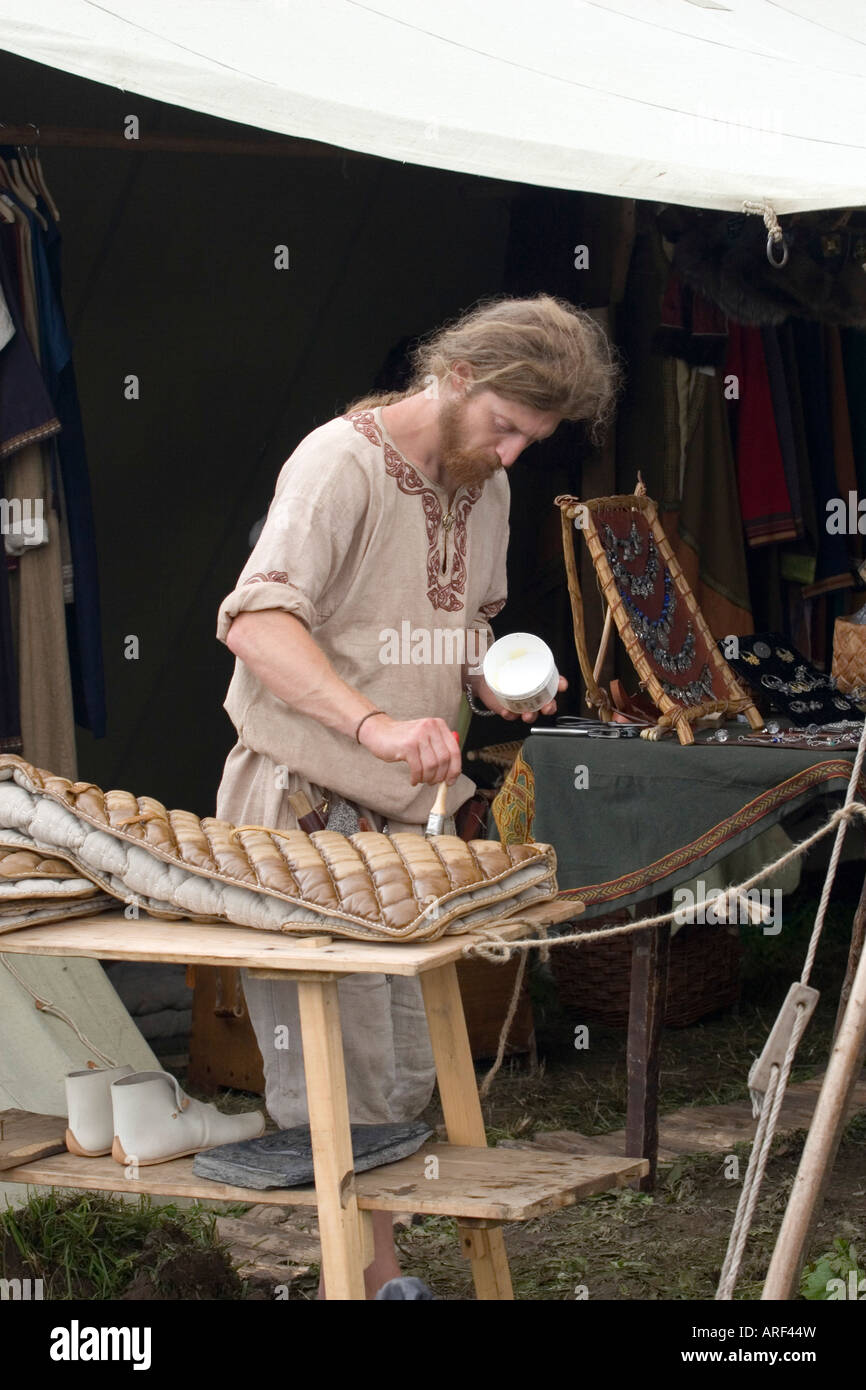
<point>318,505</point>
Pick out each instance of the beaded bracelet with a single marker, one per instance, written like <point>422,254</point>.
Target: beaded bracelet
<point>473,703</point>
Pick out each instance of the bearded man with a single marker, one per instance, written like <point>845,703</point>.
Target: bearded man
<point>394,513</point>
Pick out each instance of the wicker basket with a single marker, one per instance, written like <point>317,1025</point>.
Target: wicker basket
<point>849,654</point>
<point>704,975</point>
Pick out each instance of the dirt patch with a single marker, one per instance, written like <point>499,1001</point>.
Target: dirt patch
<point>172,1266</point>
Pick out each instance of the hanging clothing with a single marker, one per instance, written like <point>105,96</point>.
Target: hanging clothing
<point>843,449</point>
<point>83,617</point>
<point>27,413</point>
<point>854,358</point>
<point>7,327</point>
<point>781,407</point>
<point>765,502</point>
<point>36,589</point>
<point>36,372</point>
<point>709,535</point>
<point>10,713</point>
<point>672,425</point>
<point>692,327</point>
<point>833,570</point>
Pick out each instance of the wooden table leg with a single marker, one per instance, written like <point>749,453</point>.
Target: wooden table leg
<point>649,980</point>
<point>333,1164</point>
<point>458,1090</point>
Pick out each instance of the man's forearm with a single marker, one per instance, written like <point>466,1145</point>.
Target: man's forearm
<point>279,650</point>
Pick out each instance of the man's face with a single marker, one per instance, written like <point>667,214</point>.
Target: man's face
<point>484,433</point>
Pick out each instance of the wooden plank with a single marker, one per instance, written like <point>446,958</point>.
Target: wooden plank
<point>174,1179</point>
<point>499,1185</point>
<point>25,1138</point>
<point>858,1095</point>
<point>572,1142</point>
<point>698,1128</point>
<point>487,1184</point>
<point>649,974</point>
<point>333,1163</point>
<point>109,936</point>
<point>257,1238</point>
<point>714,1129</point>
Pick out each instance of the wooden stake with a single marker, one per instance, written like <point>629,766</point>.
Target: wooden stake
<point>822,1142</point>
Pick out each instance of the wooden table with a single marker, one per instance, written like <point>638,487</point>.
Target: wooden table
<point>482,1188</point>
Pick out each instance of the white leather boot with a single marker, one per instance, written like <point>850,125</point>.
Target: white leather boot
<point>155,1121</point>
<point>88,1105</point>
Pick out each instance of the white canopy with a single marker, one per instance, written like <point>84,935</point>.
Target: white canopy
<point>685,101</point>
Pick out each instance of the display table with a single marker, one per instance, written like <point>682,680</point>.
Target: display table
<point>482,1188</point>
<point>630,820</point>
<point>654,815</point>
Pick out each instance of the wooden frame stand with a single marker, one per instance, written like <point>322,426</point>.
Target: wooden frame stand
<point>728,698</point>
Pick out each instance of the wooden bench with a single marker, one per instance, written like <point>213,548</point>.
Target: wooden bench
<point>481,1187</point>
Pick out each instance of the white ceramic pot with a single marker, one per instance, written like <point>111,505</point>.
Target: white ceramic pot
<point>521,671</point>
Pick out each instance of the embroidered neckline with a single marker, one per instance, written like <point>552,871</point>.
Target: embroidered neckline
<point>450,595</point>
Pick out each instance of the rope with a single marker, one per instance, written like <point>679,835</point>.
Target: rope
<point>45,1006</point>
<point>770,1105</point>
<point>506,1028</point>
<point>493,948</point>
<point>765,210</point>
<point>775,235</point>
<point>761,1146</point>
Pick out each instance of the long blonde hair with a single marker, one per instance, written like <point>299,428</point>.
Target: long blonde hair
<point>541,352</point>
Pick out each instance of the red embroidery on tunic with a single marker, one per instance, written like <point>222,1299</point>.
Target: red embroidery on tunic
<point>448,596</point>
<point>489,610</point>
<point>272,577</point>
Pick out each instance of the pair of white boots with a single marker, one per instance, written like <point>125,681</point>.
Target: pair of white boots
<point>145,1117</point>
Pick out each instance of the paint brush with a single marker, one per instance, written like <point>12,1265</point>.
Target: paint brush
<point>437,817</point>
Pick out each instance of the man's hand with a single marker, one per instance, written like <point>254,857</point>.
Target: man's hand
<point>427,745</point>
<point>481,690</point>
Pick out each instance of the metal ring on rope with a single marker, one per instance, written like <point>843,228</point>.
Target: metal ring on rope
<point>771,255</point>
<point>775,235</point>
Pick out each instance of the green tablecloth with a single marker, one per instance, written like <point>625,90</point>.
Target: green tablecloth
<point>653,815</point>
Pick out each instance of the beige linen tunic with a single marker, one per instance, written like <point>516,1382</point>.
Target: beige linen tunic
<point>363,549</point>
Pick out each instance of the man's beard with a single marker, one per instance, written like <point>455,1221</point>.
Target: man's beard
<point>465,467</point>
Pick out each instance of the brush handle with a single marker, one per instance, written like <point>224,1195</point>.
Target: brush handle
<point>438,807</point>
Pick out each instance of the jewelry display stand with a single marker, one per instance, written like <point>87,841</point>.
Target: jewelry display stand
<point>657,616</point>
